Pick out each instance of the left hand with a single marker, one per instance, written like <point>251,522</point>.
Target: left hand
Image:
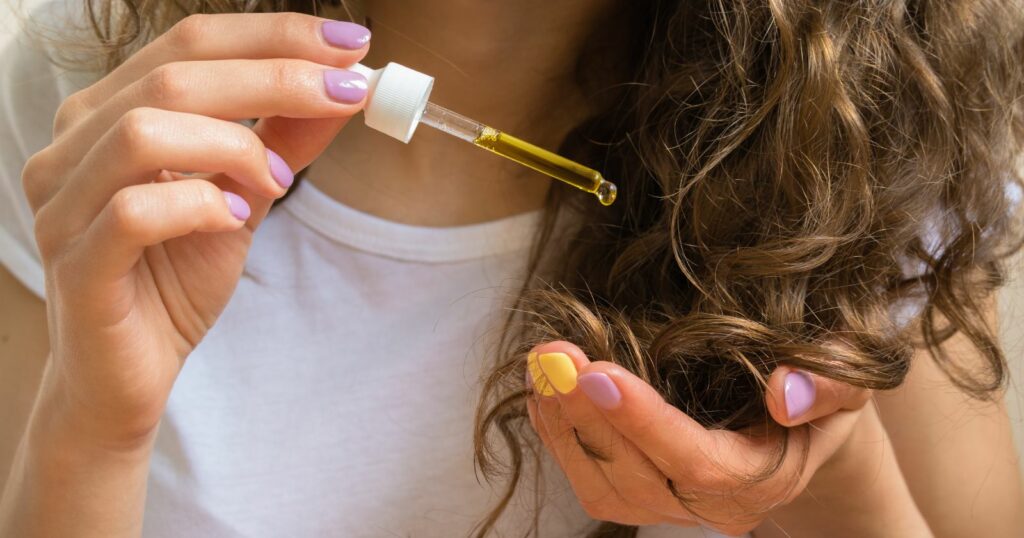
<point>633,458</point>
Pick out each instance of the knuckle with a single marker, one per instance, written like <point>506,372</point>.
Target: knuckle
<point>292,27</point>
<point>286,77</point>
<point>69,111</point>
<point>206,194</point>
<point>190,30</point>
<point>125,209</point>
<point>47,239</point>
<point>135,131</point>
<point>291,20</point>
<point>34,176</point>
<point>167,84</point>
<point>247,146</point>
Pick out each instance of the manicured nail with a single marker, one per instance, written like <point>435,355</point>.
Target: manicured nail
<point>345,86</point>
<point>237,205</point>
<point>799,392</point>
<point>601,390</point>
<point>279,169</point>
<point>540,381</point>
<point>559,370</point>
<point>347,35</point>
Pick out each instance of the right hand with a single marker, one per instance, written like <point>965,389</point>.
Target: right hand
<point>141,261</point>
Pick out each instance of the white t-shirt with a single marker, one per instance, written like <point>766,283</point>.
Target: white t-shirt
<point>336,394</point>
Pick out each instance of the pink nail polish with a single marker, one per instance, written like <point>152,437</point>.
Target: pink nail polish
<point>279,170</point>
<point>799,391</point>
<point>601,390</point>
<point>345,86</point>
<point>237,205</point>
<point>346,35</point>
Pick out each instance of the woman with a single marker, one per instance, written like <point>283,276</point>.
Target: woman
<point>334,394</point>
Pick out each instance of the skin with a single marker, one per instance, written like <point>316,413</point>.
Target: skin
<point>132,288</point>
<point>436,180</point>
<point>935,426</point>
<point>644,442</point>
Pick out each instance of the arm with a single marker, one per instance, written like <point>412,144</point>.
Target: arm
<point>137,270</point>
<point>46,465</point>
<point>956,453</point>
<point>98,490</point>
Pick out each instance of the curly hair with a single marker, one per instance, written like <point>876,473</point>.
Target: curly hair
<point>791,174</point>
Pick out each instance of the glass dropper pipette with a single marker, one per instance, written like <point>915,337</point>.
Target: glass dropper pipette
<point>520,151</point>
<point>398,102</point>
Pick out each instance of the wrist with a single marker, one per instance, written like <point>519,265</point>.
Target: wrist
<point>68,481</point>
<point>67,428</point>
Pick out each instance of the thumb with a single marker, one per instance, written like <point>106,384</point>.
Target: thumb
<point>298,142</point>
<point>795,396</point>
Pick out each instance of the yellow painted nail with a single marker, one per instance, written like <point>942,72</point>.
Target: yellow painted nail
<point>540,381</point>
<point>560,371</point>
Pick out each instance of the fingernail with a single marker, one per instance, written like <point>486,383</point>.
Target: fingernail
<point>347,35</point>
<point>559,370</point>
<point>799,392</point>
<point>540,381</point>
<point>601,390</point>
<point>279,170</point>
<point>237,205</point>
<point>345,86</point>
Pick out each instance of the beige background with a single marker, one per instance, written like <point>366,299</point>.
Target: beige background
<point>1011,298</point>
<point>1011,327</point>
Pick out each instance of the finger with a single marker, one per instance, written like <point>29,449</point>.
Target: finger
<point>627,469</point>
<point>576,422</point>
<point>727,477</point>
<point>298,142</point>
<point>140,216</point>
<point>228,90</point>
<point>596,495</point>
<point>238,36</point>
<point>795,396</point>
<point>148,140</point>
<point>670,439</point>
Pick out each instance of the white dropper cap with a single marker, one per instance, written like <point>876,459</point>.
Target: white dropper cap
<point>397,97</point>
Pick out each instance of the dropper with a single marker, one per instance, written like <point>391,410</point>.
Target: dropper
<point>398,102</point>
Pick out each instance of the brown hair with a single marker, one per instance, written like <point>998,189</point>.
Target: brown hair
<point>791,174</point>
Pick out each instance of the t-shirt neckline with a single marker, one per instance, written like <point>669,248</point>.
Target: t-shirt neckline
<point>376,235</point>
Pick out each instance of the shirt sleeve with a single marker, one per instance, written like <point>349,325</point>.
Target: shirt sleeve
<point>31,89</point>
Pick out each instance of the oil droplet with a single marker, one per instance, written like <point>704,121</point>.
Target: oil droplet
<point>606,192</point>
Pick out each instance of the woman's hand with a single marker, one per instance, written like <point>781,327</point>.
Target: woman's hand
<point>141,261</point>
<point>633,458</point>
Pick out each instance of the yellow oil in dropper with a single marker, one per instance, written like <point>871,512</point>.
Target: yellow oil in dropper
<point>520,151</point>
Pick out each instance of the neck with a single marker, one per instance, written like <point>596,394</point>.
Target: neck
<point>507,64</point>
